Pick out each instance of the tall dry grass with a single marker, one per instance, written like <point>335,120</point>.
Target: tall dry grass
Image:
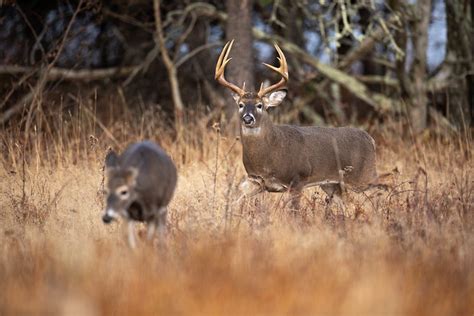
<point>404,251</point>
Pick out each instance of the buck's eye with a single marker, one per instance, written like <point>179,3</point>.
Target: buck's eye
<point>241,105</point>
<point>259,106</point>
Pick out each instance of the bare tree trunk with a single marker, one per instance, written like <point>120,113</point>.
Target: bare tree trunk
<point>172,72</point>
<point>470,77</point>
<point>369,66</point>
<point>293,19</point>
<point>459,60</point>
<point>419,107</point>
<point>239,27</point>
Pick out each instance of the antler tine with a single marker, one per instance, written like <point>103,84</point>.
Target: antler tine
<point>223,59</point>
<point>220,67</point>
<point>219,60</point>
<point>282,70</point>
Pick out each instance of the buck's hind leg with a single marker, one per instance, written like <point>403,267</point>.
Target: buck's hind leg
<point>296,199</point>
<point>296,191</point>
<point>331,189</point>
<point>340,203</point>
<point>334,193</point>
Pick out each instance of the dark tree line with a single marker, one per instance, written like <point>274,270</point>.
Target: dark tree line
<point>347,58</point>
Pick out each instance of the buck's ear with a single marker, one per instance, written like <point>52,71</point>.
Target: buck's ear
<point>274,98</point>
<point>111,160</point>
<point>236,97</point>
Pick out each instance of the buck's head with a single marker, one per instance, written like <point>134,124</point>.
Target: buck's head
<point>120,189</point>
<point>253,106</point>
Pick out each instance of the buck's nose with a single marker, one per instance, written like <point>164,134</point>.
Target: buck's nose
<point>248,119</point>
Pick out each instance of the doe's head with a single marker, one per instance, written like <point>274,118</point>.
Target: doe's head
<point>253,106</point>
<point>121,193</point>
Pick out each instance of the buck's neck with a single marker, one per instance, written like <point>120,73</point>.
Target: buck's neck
<point>256,141</point>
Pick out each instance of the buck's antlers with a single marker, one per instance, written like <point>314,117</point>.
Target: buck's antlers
<point>224,60</point>
<point>220,67</point>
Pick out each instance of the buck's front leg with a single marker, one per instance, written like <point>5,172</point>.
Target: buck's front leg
<point>251,186</point>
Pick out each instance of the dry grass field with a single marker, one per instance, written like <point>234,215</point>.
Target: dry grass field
<point>405,251</point>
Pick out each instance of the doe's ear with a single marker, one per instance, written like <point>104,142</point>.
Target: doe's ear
<point>274,98</point>
<point>131,176</point>
<point>111,160</point>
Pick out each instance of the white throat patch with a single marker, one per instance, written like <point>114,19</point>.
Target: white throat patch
<point>248,131</point>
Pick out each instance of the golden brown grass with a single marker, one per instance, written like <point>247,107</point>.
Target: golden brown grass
<point>405,251</point>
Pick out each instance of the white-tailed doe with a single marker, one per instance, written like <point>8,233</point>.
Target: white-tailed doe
<point>140,185</point>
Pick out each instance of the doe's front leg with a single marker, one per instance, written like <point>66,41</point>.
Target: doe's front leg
<point>161,223</point>
<point>131,235</point>
<point>157,224</point>
<point>150,230</point>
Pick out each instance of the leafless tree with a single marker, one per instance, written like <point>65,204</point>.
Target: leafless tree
<point>239,27</point>
<point>348,57</point>
<point>459,63</point>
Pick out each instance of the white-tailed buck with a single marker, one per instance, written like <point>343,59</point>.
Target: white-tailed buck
<point>279,158</point>
<point>140,185</point>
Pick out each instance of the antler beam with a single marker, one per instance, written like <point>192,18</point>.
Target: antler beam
<point>220,67</point>
<point>282,70</point>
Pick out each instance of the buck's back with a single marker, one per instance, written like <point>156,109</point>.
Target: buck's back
<point>333,148</point>
<point>326,150</point>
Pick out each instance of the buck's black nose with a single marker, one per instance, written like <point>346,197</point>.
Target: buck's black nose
<point>248,119</point>
<point>107,219</point>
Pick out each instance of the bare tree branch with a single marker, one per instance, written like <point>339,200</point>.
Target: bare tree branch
<point>72,74</point>
<point>419,109</point>
<point>44,73</point>
<point>367,44</point>
<point>172,72</point>
<point>379,102</point>
<point>196,51</point>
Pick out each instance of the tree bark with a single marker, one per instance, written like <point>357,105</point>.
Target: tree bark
<point>172,72</point>
<point>470,78</point>
<point>293,19</point>
<point>419,108</point>
<point>459,58</point>
<point>377,101</point>
<point>72,74</point>
<point>239,27</point>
